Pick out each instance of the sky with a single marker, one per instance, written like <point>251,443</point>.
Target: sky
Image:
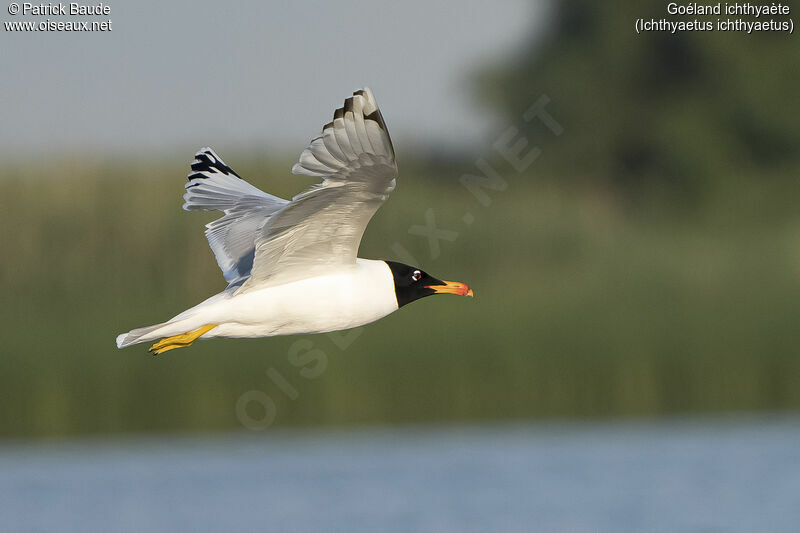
<point>251,75</point>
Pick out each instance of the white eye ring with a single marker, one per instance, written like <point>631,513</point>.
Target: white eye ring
<point>417,275</point>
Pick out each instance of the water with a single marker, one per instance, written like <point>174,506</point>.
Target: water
<point>701,475</point>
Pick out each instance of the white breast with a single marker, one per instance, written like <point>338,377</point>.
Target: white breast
<point>345,297</point>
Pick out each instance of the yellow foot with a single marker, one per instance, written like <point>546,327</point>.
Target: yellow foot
<point>180,341</point>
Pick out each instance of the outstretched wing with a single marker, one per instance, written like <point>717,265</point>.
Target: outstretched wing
<point>323,225</point>
<point>213,185</point>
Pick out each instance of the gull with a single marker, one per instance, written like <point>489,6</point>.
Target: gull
<point>292,265</point>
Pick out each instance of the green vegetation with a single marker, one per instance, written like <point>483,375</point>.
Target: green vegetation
<point>676,111</point>
<point>583,307</point>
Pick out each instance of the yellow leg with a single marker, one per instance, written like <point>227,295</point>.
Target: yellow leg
<point>180,341</point>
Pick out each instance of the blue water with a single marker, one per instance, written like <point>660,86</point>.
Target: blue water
<point>701,475</point>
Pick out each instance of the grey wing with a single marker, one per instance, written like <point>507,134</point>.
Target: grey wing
<point>323,225</point>
<point>213,185</point>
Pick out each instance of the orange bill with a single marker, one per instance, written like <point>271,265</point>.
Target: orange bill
<point>452,287</point>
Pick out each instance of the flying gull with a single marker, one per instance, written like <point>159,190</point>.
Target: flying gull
<point>292,266</point>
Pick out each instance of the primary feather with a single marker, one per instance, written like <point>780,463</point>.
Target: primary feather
<point>323,225</point>
<point>213,185</point>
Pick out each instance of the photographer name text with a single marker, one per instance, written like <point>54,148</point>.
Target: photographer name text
<point>61,9</point>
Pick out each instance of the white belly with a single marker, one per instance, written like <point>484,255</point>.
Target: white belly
<point>345,298</point>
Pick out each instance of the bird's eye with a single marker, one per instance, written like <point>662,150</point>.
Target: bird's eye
<point>417,275</point>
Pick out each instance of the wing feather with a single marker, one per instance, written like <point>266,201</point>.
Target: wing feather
<point>213,185</point>
<point>332,144</point>
<point>320,151</point>
<point>358,122</point>
<point>323,225</point>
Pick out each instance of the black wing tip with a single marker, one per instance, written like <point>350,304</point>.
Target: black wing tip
<point>207,161</point>
<point>377,118</point>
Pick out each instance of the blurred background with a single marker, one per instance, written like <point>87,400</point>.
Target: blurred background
<point>636,276</point>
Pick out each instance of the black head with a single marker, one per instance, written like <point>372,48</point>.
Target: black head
<point>412,283</point>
